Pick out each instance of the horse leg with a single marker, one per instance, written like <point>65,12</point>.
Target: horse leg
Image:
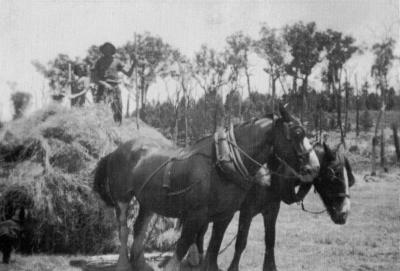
<point>196,251</point>
<point>191,226</point>
<point>139,234</point>
<point>241,240</point>
<point>270,215</point>
<point>219,228</point>
<point>121,211</point>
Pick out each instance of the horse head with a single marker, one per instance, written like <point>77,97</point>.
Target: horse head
<point>334,181</point>
<point>283,138</point>
<point>292,148</point>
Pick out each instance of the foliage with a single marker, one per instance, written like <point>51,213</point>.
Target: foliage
<point>237,57</point>
<point>20,101</point>
<point>384,57</point>
<point>271,48</point>
<point>305,46</point>
<point>366,121</point>
<point>151,55</point>
<point>339,49</point>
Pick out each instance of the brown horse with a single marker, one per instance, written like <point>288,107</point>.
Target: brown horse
<point>332,184</point>
<point>197,191</point>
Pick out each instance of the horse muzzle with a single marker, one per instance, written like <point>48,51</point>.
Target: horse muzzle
<point>339,215</point>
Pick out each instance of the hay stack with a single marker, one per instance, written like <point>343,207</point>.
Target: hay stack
<point>52,154</point>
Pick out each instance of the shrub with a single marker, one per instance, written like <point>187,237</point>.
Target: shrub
<point>366,121</point>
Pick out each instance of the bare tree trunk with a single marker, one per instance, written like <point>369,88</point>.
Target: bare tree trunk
<point>396,141</point>
<point>375,141</point>
<point>176,130</point>
<point>137,106</point>
<point>127,104</point>
<point>346,108</point>
<point>338,107</point>
<point>185,113</point>
<point>357,116</point>
<point>303,98</point>
<point>246,71</point>
<point>273,95</point>
<point>339,110</point>
<point>383,161</point>
<point>321,115</point>
<point>357,107</point>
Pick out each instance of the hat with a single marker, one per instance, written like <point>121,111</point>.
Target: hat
<point>108,49</point>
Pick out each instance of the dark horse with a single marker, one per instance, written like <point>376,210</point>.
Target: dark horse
<point>332,184</point>
<point>197,191</point>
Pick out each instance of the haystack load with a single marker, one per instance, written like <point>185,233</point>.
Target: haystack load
<point>51,155</point>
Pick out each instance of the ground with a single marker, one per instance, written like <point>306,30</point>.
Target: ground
<point>370,240</point>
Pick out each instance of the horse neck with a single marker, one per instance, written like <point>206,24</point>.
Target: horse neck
<point>252,139</point>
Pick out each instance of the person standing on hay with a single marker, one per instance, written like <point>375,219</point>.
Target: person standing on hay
<point>105,75</point>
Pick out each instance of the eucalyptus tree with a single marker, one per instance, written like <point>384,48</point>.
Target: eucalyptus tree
<point>384,57</point>
<point>210,70</point>
<point>339,49</point>
<point>237,51</point>
<point>305,47</point>
<point>181,70</point>
<point>271,47</point>
<point>151,54</point>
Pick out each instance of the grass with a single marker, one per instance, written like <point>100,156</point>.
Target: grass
<point>370,239</point>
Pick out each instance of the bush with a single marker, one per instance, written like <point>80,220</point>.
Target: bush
<point>366,121</point>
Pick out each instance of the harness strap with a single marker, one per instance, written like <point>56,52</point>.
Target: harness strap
<point>237,159</point>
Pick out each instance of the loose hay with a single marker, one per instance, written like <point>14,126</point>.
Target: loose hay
<point>52,155</point>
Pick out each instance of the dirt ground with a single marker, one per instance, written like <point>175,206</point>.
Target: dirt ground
<point>370,240</point>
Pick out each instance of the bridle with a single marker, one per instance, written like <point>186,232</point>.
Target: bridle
<point>331,195</point>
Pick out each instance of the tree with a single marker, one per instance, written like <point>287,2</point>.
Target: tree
<point>151,54</point>
<point>339,49</point>
<point>181,70</point>
<point>210,73</point>
<point>238,50</point>
<point>20,101</point>
<point>384,57</point>
<point>57,72</point>
<point>233,106</point>
<point>271,48</point>
<point>304,43</point>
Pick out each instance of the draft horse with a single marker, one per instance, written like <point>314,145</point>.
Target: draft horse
<point>187,183</point>
<point>332,184</point>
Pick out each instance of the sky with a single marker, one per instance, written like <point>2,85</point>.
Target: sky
<point>39,30</point>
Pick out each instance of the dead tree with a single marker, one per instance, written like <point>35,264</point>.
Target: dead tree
<point>375,140</point>
<point>396,141</point>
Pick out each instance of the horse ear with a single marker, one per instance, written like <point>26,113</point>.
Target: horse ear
<point>284,113</point>
<point>330,156</point>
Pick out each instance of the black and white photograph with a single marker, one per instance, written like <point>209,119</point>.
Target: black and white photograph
<point>199,135</point>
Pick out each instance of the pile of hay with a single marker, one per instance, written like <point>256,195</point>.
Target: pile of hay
<point>52,154</point>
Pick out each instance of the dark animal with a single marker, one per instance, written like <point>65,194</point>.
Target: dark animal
<point>187,183</point>
<point>10,231</point>
<point>332,184</point>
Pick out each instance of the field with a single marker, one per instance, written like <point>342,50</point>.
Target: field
<point>370,239</point>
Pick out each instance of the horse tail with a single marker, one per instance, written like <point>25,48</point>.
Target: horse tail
<point>101,185</point>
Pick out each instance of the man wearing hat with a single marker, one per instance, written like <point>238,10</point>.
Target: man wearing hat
<point>105,74</point>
